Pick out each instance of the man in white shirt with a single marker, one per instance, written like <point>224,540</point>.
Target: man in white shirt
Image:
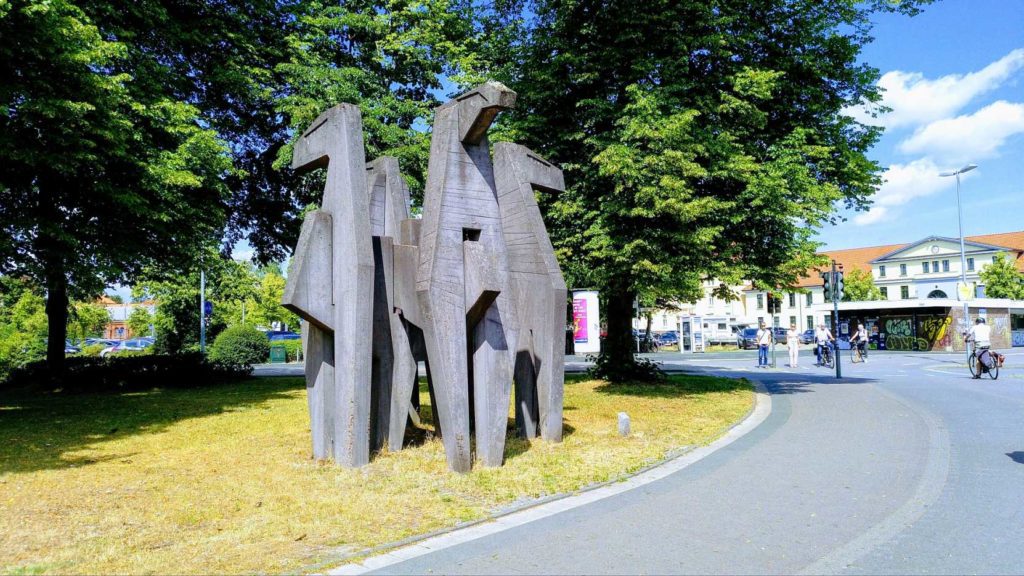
<point>860,340</point>
<point>822,338</point>
<point>981,335</point>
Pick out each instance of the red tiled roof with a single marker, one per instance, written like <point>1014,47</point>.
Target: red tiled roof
<point>861,257</point>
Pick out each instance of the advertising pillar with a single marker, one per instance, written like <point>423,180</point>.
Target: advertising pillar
<point>586,322</point>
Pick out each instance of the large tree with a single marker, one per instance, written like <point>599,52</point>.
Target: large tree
<point>699,139</point>
<point>131,133</point>
<point>105,166</point>
<point>859,286</point>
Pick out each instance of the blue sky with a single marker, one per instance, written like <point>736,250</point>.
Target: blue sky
<point>954,78</point>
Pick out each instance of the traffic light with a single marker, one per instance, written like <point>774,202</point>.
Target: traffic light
<point>827,277</point>
<point>839,285</point>
<point>774,304</point>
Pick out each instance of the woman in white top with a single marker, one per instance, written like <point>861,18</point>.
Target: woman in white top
<point>793,341</point>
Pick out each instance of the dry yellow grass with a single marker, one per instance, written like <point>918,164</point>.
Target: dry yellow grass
<point>219,480</point>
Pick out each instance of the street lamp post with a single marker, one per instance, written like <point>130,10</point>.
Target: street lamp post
<point>963,256</point>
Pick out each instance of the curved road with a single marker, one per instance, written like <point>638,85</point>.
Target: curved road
<point>905,466</point>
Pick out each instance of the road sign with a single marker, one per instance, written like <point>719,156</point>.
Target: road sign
<point>208,308</point>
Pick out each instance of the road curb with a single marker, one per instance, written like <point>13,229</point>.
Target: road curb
<point>416,546</point>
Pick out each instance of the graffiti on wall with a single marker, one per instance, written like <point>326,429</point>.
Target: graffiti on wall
<point>899,333</point>
<point>935,332</point>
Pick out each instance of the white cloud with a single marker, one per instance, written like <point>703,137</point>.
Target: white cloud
<point>969,137</point>
<point>903,183</point>
<point>916,100</point>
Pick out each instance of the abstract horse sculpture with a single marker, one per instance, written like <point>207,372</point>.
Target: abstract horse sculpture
<point>473,289</point>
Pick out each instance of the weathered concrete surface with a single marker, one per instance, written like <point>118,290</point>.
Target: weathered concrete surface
<point>335,141</point>
<point>462,216</point>
<point>538,289</point>
<point>394,342</point>
<point>444,290</point>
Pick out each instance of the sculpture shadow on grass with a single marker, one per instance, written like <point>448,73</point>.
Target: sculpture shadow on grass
<point>43,431</point>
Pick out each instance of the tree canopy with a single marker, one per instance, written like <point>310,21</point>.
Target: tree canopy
<point>700,140</point>
<point>1002,279</point>
<point>859,286</point>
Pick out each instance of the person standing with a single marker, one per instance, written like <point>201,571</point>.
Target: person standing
<point>764,339</point>
<point>793,342</point>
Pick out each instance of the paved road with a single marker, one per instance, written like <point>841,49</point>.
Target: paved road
<point>904,466</point>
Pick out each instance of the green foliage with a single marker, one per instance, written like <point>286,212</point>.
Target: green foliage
<point>22,331</point>
<point>859,286</point>
<point>125,373</point>
<point>1002,279</point>
<point>293,349</point>
<point>640,370</point>
<point>87,319</point>
<point>699,140</point>
<point>139,321</point>
<point>240,346</point>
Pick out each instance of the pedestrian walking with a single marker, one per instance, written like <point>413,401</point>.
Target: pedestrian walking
<point>793,342</point>
<point>764,339</point>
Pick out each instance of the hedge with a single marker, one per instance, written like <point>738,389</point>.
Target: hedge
<point>125,374</point>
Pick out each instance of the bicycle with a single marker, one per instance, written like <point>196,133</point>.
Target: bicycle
<point>826,356</point>
<point>991,367</point>
<point>856,353</point>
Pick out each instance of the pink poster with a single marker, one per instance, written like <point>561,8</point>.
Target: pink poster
<point>579,320</point>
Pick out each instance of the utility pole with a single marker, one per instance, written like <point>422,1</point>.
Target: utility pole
<point>837,294</point>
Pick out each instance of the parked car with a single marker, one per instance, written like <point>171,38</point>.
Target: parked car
<point>133,345</point>
<point>274,335</point>
<point>670,338</point>
<point>780,335</point>
<point>807,336</point>
<point>70,348</point>
<point>747,338</point>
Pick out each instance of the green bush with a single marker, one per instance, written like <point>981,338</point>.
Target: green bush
<point>292,347</point>
<point>240,346</point>
<point>124,374</point>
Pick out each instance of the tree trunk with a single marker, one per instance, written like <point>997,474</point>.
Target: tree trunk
<point>57,318</point>
<point>618,345</point>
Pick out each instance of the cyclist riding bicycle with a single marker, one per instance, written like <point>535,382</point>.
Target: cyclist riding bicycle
<point>860,340</point>
<point>822,337</point>
<point>981,335</point>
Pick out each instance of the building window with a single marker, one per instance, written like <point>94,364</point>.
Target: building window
<point>945,265</point>
<point>760,320</point>
<point>994,259</point>
<point>664,319</point>
<point>792,320</point>
<point>810,322</point>
<point>810,298</point>
<point>904,292</point>
<point>881,271</point>
<point>792,300</point>
<point>925,267</point>
<point>760,301</point>
<point>722,326</point>
<point>885,292</point>
<point>970,263</point>
<point>935,265</point>
<point>903,269</point>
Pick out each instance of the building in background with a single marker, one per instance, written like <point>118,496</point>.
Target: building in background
<point>918,284</point>
<point>117,327</point>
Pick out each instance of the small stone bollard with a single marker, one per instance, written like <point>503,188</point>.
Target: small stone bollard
<point>623,424</point>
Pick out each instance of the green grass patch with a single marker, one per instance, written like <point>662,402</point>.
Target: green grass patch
<point>220,479</point>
